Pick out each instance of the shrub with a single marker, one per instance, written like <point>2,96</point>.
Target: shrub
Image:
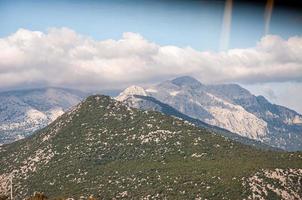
<point>38,196</point>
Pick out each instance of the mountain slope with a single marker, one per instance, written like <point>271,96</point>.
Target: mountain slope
<point>109,150</point>
<point>22,112</point>
<point>193,99</point>
<point>152,104</point>
<point>230,107</point>
<point>284,125</point>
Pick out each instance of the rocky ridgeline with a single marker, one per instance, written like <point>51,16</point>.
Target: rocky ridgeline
<point>227,106</point>
<point>111,151</point>
<point>25,111</point>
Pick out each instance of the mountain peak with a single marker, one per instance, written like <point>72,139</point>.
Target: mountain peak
<point>186,81</point>
<point>231,91</point>
<point>118,152</point>
<point>130,91</point>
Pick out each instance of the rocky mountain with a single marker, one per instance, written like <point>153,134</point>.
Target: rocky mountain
<point>25,111</point>
<point>152,104</point>
<point>230,107</point>
<point>111,151</point>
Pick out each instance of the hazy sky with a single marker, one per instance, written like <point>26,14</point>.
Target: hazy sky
<point>112,44</point>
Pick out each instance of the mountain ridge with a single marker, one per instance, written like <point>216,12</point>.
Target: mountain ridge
<point>231,107</point>
<point>150,103</point>
<point>106,149</point>
<point>25,111</point>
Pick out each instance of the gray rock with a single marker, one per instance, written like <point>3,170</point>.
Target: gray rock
<point>228,106</point>
<point>25,111</point>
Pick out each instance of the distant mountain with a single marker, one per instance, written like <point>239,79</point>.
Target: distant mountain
<point>111,151</point>
<point>230,107</point>
<point>152,104</point>
<point>22,112</point>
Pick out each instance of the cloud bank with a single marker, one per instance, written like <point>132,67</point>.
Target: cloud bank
<point>62,57</point>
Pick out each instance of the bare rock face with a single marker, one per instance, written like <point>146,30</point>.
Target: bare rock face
<point>25,111</point>
<point>227,106</point>
<point>132,90</point>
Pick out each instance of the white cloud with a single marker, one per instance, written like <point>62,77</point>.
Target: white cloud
<point>61,57</point>
<point>288,94</point>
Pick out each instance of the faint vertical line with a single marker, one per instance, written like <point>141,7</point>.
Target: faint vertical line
<point>268,15</point>
<point>226,25</point>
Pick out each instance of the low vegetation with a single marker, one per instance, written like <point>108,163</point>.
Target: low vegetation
<point>105,149</point>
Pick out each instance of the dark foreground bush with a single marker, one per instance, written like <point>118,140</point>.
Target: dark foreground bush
<point>38,196</point>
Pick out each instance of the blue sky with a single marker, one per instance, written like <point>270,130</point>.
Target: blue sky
<point>181,23</point>
<point>195,24</point>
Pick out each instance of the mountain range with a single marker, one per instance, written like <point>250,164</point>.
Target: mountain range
<point>227,109</point>
<point>105,149</point>
<point>24,111</point>
<point>227,106</point>
<point>152,104</point>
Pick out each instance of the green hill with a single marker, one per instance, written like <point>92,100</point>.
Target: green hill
<point>105,149</point>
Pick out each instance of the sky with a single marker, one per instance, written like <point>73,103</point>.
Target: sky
<point>113,44</point>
